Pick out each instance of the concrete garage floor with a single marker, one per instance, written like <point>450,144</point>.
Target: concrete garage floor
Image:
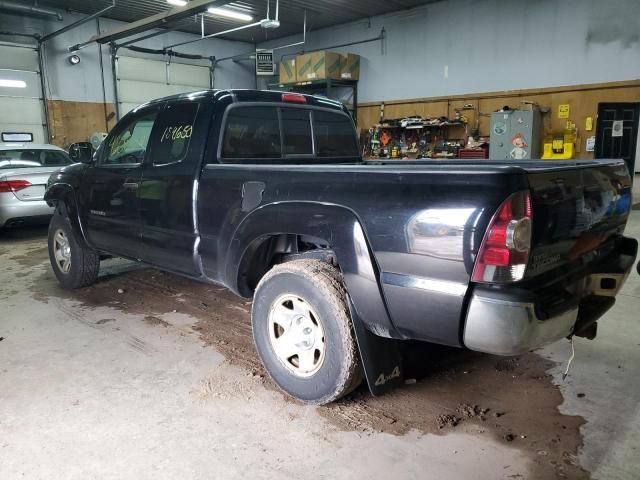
<point>161,381</point>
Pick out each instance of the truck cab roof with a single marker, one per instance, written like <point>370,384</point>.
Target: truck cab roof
<point>249,95</point>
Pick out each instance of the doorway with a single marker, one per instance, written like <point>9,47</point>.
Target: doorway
<point>617,132</point>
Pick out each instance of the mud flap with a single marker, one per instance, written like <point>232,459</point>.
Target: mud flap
<point>381,359</point>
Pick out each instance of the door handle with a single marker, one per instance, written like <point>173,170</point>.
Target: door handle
<point>130,185</point>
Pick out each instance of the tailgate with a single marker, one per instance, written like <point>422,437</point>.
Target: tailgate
<point>37,177</point>
<point>575,212</point>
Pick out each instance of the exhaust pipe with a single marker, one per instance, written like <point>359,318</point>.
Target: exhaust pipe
<point>29,10</point>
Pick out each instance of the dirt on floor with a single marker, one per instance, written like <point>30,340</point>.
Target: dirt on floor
<point>511,399</point>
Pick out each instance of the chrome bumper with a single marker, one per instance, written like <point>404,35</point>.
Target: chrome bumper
<point>512,328</point>
<point>504,327</point>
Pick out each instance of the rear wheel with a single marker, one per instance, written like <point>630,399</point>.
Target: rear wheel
<point>303,332</point>
<point>74,264</point>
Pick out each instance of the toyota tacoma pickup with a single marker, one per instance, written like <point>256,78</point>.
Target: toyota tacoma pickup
<point>266,193</point>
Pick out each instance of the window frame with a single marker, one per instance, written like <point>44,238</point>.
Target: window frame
<point>125,122</point>
<point>223,130</point>
<point>284,159</point>
<point>155,134</point>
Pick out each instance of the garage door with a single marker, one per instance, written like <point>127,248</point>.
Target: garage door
<point>140,80</point>
<point>21,107</point>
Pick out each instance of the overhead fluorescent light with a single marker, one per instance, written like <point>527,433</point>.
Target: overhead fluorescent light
<point>177,3</point>
<point>5,82</point>
<point>224,12</point>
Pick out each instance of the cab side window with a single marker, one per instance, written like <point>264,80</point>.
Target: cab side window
<point>251,133</point>
<point>175,126</point>
<point>129,143</point>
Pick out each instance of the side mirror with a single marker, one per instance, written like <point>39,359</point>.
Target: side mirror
<point>81,152</point>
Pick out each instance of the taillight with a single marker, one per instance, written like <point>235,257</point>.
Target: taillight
<point>293,98</point>
<point>504,252</point>
<point>13,185</point>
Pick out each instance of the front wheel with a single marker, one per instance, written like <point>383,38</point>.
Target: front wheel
<point>74,264</point>
<point>303,332</point>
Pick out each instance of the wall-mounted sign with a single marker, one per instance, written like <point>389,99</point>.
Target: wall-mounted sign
<point>591,144</point>
<point>563,110</point>
<point>617,128</point>
<point>17,137</point>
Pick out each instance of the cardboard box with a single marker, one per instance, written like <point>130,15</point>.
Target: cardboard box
<point>288,71</point>
<point>350,66</point>
<point>318,66</point>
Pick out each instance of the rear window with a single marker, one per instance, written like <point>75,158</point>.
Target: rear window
<point>334,135</point>
<point>291,135</point>
<point>296,131</point>
<point>252,132</point>
<point>28,158</point>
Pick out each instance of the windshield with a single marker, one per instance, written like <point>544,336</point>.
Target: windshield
<point>29,158</point>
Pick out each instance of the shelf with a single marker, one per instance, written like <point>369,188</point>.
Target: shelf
<point>458,124</point>
<point>315,86</point>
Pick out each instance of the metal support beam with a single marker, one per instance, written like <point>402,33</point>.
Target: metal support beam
<point>217,34</point>
<point>35,36</point>
<point>212,68</point>
<point>145,37</point>
<point>29,10</point>
<point>45,105</point>
<point>104,89</point>
<point>154,21</point>
<point>114,74</point>
<point>78,23</point>
<point>251,55</point>
<point>304,36</point>
<point>380,37</point>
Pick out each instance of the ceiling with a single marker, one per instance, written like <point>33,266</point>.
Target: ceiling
<point>320,14</point>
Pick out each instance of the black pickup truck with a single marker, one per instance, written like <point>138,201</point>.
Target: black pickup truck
<point>266,193</point>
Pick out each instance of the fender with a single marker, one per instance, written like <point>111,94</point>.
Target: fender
<point>342,230</point>
<point>62,196</point>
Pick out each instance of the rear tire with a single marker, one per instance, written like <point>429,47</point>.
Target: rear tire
<point>303,331</point>
<point>74,264</point>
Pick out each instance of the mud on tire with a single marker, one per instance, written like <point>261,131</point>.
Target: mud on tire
<point>319,286</point>
<point>83,263</point>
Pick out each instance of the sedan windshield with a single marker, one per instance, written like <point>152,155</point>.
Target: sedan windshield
<point>29,158</point>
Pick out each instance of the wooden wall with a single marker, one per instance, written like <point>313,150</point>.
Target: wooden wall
<point>71,122</point>
<point>583,101</point>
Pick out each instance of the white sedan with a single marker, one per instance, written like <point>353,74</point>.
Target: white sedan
<point>24,171</point>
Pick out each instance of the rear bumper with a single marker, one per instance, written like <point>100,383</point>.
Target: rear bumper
<point>504,323</point>
<point>502,327</point>
<point>14,210</point>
